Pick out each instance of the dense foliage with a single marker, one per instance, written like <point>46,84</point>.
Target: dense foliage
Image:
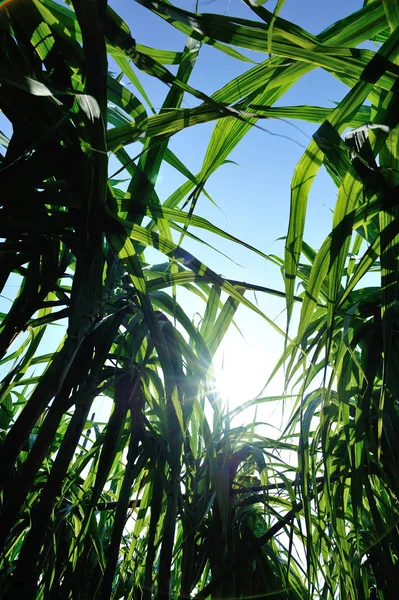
<point>166,499</point>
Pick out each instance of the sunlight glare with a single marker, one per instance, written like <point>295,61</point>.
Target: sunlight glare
<point>241,372</point>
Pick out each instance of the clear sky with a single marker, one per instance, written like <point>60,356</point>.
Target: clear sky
<point>252,195</point>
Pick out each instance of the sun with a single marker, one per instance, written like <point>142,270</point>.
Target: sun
<point>241,372</point>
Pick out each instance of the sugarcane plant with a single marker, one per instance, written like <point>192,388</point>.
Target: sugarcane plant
<point>160,495</point>
<point>136,502</point>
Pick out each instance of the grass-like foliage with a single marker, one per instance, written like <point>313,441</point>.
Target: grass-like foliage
<point>165,499</point>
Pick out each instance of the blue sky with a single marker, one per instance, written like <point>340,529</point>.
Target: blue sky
<point>253,195</point>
